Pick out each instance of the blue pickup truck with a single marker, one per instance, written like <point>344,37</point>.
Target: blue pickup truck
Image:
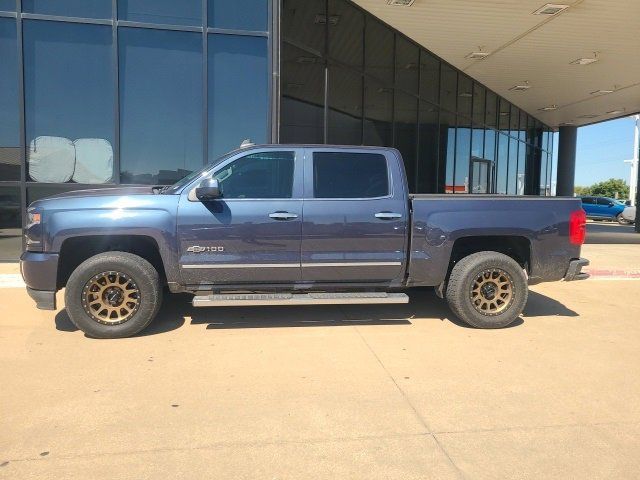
<point>294,225</point>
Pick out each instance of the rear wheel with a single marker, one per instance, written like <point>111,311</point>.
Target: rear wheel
<point>621,220</point>
<point>113,295</point>
<point>487,290</point>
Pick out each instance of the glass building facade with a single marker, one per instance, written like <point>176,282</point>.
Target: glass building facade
<point>348,78</point>
<point>97,93</point>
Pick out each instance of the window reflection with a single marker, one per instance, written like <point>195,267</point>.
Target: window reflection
<point>302,99</point>
<point>345,107</point>
<point>346,33</point>
<point>9,124</point>
<point>407,64</point>
<point>184,12</point>
<point>69,8</point>
<point>378,114</point>
<point>10,223</point>
<point>238,14</point>
<point>8,5</point>
<point>448,148</point>
<point>304,23</point>
<point>463,154</point>
<point>428,149</point>
<point>378,60</point>
<point>160,105</point>
<point>406,134</point>
<point>68,97</point>
<point>238,92</point>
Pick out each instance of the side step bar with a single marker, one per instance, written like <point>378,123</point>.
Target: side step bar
<point>320,298</point>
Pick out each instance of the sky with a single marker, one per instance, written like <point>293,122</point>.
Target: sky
<point>601,150</point>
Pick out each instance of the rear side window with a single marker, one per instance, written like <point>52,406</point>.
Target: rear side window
<point>349,175</point>
<point>259,175</point>
<point>588,201</point>
<point>604,201</point>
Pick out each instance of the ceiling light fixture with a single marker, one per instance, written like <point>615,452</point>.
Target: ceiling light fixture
<point>585,60</point>
<point>521,88</point>
<point>549,108</point>
<point>590,115</point>
<point>616,112</point>
<point>465,94</point>
<point>400,3</point>
<point>477,55</point>
<point>551,9</point>
<point>321,19</point>
<point>601,92</point>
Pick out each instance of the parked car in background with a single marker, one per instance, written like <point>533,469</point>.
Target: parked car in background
<point>604,208</point>
<point>629,214</point>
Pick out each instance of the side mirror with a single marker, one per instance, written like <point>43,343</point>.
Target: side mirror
<point>209,189</point>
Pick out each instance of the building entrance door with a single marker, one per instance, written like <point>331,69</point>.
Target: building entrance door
<point>480,175</point>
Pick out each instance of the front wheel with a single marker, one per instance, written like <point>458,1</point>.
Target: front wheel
<point>113,295</point>
<point>487,290</point>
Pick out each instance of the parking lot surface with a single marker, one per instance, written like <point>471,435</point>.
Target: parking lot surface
<point>397,391</point>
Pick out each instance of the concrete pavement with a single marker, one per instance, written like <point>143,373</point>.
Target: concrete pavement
<point>329,392</point>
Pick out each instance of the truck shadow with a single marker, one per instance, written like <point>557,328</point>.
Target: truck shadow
<point>424,305</point>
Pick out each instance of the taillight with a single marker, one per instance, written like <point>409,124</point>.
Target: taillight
<point>577,227</point>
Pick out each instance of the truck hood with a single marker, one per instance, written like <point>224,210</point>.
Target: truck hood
<point>103,192</point>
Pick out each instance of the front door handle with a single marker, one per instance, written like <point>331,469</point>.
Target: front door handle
<point>283,215</point>
<point>388,215</point>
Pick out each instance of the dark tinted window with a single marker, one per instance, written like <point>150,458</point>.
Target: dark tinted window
<point>406,133</point>
<point>407,64</point>
<point>512,171</point>
<point>345,107</point>
<point>465,95</point>
<point>184,12</point>
<point>302,23</point>
<point>379,52</point>
<point>69,8</point>
<point>10,224</point>
<point>491,109</point>
<point>604,201</point>
<point>9,125</point>
<point>160,105</point>
<point>447,151</point>
<point>302,99</point>
<point>448,87</point>
<point>238,91</point>
<point>349,175</point>
<point>463,154</point>
<point>238,14</point>
<point>378,114</point>
<point>8,5</point>
<point>479,93</point>
<point>69,98</point>
<point>346,33</point>
<point>588,200</point>
<point>429,77</point>
<point>428,149</point>
<point>259,175</point>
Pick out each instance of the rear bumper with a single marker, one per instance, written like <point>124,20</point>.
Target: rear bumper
<point>574,272</point>
<point>40,273</point>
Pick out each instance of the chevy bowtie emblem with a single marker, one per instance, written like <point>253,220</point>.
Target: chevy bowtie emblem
<point>199,249</point>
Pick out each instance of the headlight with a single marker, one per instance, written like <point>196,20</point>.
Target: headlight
<point>33,231</point>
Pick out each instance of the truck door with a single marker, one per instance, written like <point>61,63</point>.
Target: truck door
<point>251,234</point>
<point>355,216</point>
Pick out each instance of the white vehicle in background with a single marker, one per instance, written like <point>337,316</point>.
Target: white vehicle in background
<point>629,214</point>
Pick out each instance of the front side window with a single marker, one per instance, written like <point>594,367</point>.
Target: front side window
<point>259,175</point>
<point>605,201</point>
<point>349,175</point>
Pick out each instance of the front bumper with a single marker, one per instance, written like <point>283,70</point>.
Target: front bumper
<point>40,273</point>
<point>574,272</point>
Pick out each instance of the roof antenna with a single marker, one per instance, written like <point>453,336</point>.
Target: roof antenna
<point>246,143</point>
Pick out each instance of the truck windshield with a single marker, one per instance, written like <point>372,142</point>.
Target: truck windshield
<point>176,187</point>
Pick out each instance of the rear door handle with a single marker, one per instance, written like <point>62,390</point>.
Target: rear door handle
<point>388,215</point>
<point>283,215</point>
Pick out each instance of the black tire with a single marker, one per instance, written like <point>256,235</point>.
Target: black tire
<point>470,272</point>
<point>144,278</point>
<point>621,220</point>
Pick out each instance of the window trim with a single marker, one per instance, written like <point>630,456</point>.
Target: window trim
<point>215,167</point>
<point>309,176</point>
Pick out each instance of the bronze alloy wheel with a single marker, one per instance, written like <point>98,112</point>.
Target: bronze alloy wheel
<point>492,292</point>
<point>111,298</point>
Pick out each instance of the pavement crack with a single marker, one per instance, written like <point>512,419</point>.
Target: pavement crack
<point>420,418</point>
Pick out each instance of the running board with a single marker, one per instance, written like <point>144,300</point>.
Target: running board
<point>320,298</point>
